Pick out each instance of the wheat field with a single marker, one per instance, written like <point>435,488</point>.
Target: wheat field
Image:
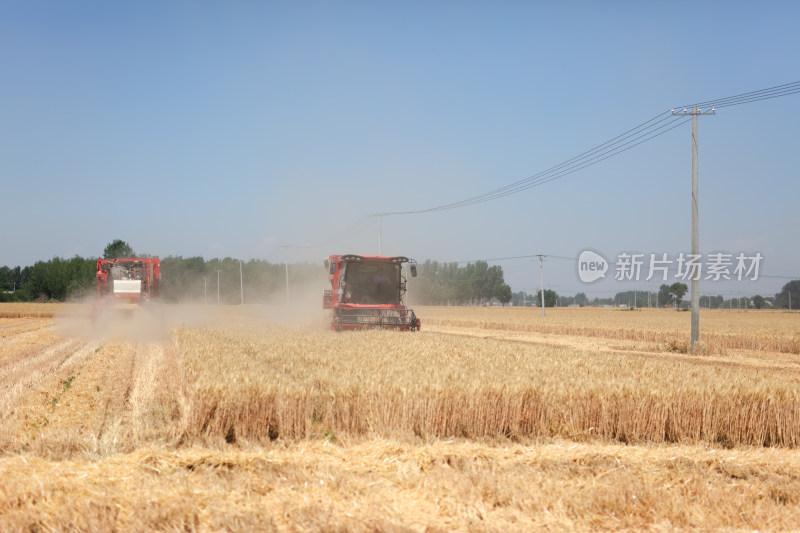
<point>232,418</point>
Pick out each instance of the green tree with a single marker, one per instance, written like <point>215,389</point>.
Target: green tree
<point>678,290</point>
<point>503,293</point>
<point>758,301</point>
<point>5,279</point>
<point>449,283</point>
<point>494,283</point>
<point>550,298</point>
<point>664,296</point>
<point>789,297</point>
<point>581,299</point>
<point>118,248</point>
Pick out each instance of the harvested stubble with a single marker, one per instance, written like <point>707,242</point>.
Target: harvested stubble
<point>30,310</point>
<point>381,485</point>
<point>121,407</point>
<point>261,382</point>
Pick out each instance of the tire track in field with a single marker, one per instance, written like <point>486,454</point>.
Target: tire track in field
<point>8,326</point>
<point>26,345</point>
<point>25,335</point>
<point>791,368</point>
<point>116,390</point>
<point>154,407</point>
<point>122,395</point>
<point>20,374</point>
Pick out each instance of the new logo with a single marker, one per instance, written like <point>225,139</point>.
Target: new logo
<point>591,266</point>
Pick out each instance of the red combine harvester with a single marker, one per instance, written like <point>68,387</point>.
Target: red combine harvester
<point>367,292</point>
<point>126,284</point>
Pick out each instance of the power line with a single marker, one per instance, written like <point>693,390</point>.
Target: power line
<point>671,269</point>
<point>591,157</point>
<point>494,260</point>
<point>646,131</point>
<point>753,96</point>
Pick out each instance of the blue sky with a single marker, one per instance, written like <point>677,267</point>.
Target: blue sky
<point>230,129</point>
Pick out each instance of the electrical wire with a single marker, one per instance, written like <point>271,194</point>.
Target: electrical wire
<point>646,131</point>
<point>611,142</point>
<point>642,133</point>
<point>611,148</point>
<point>753,96</point>
<point>496,259</point>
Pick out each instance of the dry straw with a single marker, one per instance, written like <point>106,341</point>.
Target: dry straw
<point>266,382</point>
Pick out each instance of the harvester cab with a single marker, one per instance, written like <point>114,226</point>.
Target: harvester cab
<point>367,292</point>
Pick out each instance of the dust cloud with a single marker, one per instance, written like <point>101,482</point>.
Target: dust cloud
<point>302,307</point>
<point>156,321</point>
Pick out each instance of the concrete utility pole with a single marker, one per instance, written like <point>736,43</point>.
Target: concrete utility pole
<point>205,291</point>
<point>541,279</point>
<point>694,113</point>
<point>241,280</point>
<point>287,279</point>
<point>286,262</point>
<point>218,271</point>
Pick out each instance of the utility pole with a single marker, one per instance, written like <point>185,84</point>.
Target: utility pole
<point>241,280</point>
<point>218,271</point>
<point>286,262</point>
<point>694,113</point>
<point>205,291</point>
<point>541,279</point>
<point>287,280</point>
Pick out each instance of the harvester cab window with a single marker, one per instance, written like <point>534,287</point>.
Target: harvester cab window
<point>372,283</point>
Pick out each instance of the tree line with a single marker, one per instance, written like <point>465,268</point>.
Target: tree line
<point>667,296</point>
<point>194,279</point>
<point>183,279</point>
<point>453,284</point>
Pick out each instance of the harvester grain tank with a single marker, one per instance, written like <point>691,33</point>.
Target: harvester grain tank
<point>126,284</point>
<point>367,292</point>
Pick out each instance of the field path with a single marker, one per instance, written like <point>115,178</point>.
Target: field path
<point>779,364</point>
